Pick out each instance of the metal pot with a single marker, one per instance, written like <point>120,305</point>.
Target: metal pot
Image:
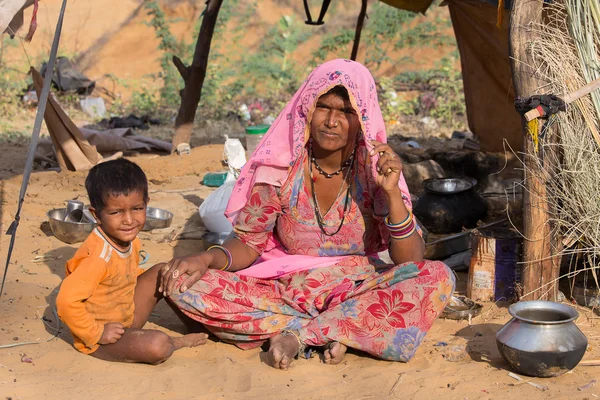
<point>541,339</point>
<point>448,204</point>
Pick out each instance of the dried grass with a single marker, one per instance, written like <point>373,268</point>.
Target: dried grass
<point>567,57</point>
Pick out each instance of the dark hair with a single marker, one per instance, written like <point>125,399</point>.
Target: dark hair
<point>114,178</point>
<point>340,91</point>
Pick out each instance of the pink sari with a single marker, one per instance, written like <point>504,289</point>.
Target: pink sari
<point>327,288</point>
<point>284,143</point>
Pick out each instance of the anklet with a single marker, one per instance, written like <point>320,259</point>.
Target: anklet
<point>295,334</point>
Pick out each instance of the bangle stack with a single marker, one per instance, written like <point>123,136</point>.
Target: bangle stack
<point>402,230</point>
<point>227,254</point>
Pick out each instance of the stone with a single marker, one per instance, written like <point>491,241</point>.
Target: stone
<point>416,173</point>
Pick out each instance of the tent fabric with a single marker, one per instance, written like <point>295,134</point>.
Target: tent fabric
<point>487,75</point>
<point>67,78</point>
<point>9,10</point>
<point>11,15</point>
<point>73,151</point>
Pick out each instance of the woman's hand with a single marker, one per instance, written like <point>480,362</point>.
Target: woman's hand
<point>193,266</point>
<point>389,167</point>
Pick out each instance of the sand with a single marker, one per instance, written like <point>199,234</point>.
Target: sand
<point>219,370</point>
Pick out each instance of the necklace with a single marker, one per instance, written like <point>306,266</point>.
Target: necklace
<point>318,214</point>
<point>327,175</point>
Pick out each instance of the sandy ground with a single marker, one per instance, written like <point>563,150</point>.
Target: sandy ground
<point>218,370</point>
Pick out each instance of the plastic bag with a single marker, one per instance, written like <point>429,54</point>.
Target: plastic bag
<point>212,210</point>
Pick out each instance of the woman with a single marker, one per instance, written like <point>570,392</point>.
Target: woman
<point>320,197</point>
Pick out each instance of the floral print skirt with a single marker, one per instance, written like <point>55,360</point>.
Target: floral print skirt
<point>384,311</point>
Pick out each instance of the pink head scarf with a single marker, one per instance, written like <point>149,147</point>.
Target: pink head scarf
<point>282,145</point>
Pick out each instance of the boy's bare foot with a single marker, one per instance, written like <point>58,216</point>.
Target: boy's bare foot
<point>282,351</point>
<point>190,340</point>
<point>334,353</point>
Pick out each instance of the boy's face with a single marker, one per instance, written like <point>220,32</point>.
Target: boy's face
<point>122,217</point>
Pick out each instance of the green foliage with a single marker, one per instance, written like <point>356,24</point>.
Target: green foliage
<point>219,88</point>
<point>394,108</point>
<point>12,84</point>
<point>386,29</point>
<point>11,90</point>
<point>449,94</point>
<point>169,92</point>
<point>270,69</point>
<point>15,138</point>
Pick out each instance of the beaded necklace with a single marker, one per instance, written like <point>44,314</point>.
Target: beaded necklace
<point>348,163</point>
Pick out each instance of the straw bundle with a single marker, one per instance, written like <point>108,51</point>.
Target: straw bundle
<point>567,57</point>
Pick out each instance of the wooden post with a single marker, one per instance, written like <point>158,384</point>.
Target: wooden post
<point>541,242</point>
<point>359,25</point>
<point>193,76</point>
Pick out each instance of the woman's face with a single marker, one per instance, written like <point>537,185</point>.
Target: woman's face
<point>334,123</point>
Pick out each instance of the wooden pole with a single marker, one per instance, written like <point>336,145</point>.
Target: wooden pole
<point>541,242</point>
<point>359,25</point>
<point>193,76</point>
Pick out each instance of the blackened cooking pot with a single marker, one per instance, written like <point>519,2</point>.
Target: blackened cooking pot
<point>449,204</point>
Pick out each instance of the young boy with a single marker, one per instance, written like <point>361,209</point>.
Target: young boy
<point>96,299</point>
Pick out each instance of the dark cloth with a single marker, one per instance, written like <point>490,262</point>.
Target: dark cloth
<point>550,103</point>
<point>67,78</point>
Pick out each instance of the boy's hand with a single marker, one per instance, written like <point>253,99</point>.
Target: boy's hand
<point>112,332</point>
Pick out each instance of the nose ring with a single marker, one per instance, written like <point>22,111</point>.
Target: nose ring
<point>336,124</point>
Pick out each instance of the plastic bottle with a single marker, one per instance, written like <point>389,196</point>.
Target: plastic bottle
<point>254,135</point>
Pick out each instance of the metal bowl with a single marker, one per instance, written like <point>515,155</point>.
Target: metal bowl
<point>68,232</point>
<point>214,238</point>
<point>460,307</point>
<point>157,218</point>
<point>448,185</point>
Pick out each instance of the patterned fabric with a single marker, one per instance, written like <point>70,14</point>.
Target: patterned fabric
<point>383,311</point>
<point>357,300</point>
<point>327,288</point>
<point>291,213</point>
<point>285,141</point>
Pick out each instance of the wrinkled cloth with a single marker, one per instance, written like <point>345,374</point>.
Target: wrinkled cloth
<point>285,143</point>
<point>327,288</point>
<point>383,311</point>
<point>73,152</point>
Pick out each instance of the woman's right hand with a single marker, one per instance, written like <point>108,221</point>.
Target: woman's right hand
<point>194,266</point>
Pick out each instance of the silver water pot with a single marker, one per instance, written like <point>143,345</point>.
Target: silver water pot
<point>541,339</point>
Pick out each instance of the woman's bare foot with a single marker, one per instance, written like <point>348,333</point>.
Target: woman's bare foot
<point>282,350</point>
<point>334,353</point>
<point>190,340</point>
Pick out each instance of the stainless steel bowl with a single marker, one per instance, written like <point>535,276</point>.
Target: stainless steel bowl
<point>214,238</point>
<point>460,307</point>
<point>448,185</point>
<point>68,232</point>
<point>157,218</point>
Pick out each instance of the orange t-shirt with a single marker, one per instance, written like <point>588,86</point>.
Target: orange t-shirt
<point>98,289</point>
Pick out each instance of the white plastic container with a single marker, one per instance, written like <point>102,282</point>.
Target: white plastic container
<point>254,135</point>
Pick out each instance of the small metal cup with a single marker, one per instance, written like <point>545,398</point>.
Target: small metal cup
<point>74,211</point>
<point>74,205</point>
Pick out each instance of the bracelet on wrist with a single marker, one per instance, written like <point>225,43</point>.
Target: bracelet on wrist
<point>405,233</point>
<point>227,254</point>
<point>398,226</point>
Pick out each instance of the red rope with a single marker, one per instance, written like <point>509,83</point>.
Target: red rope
<point>33,24</point>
